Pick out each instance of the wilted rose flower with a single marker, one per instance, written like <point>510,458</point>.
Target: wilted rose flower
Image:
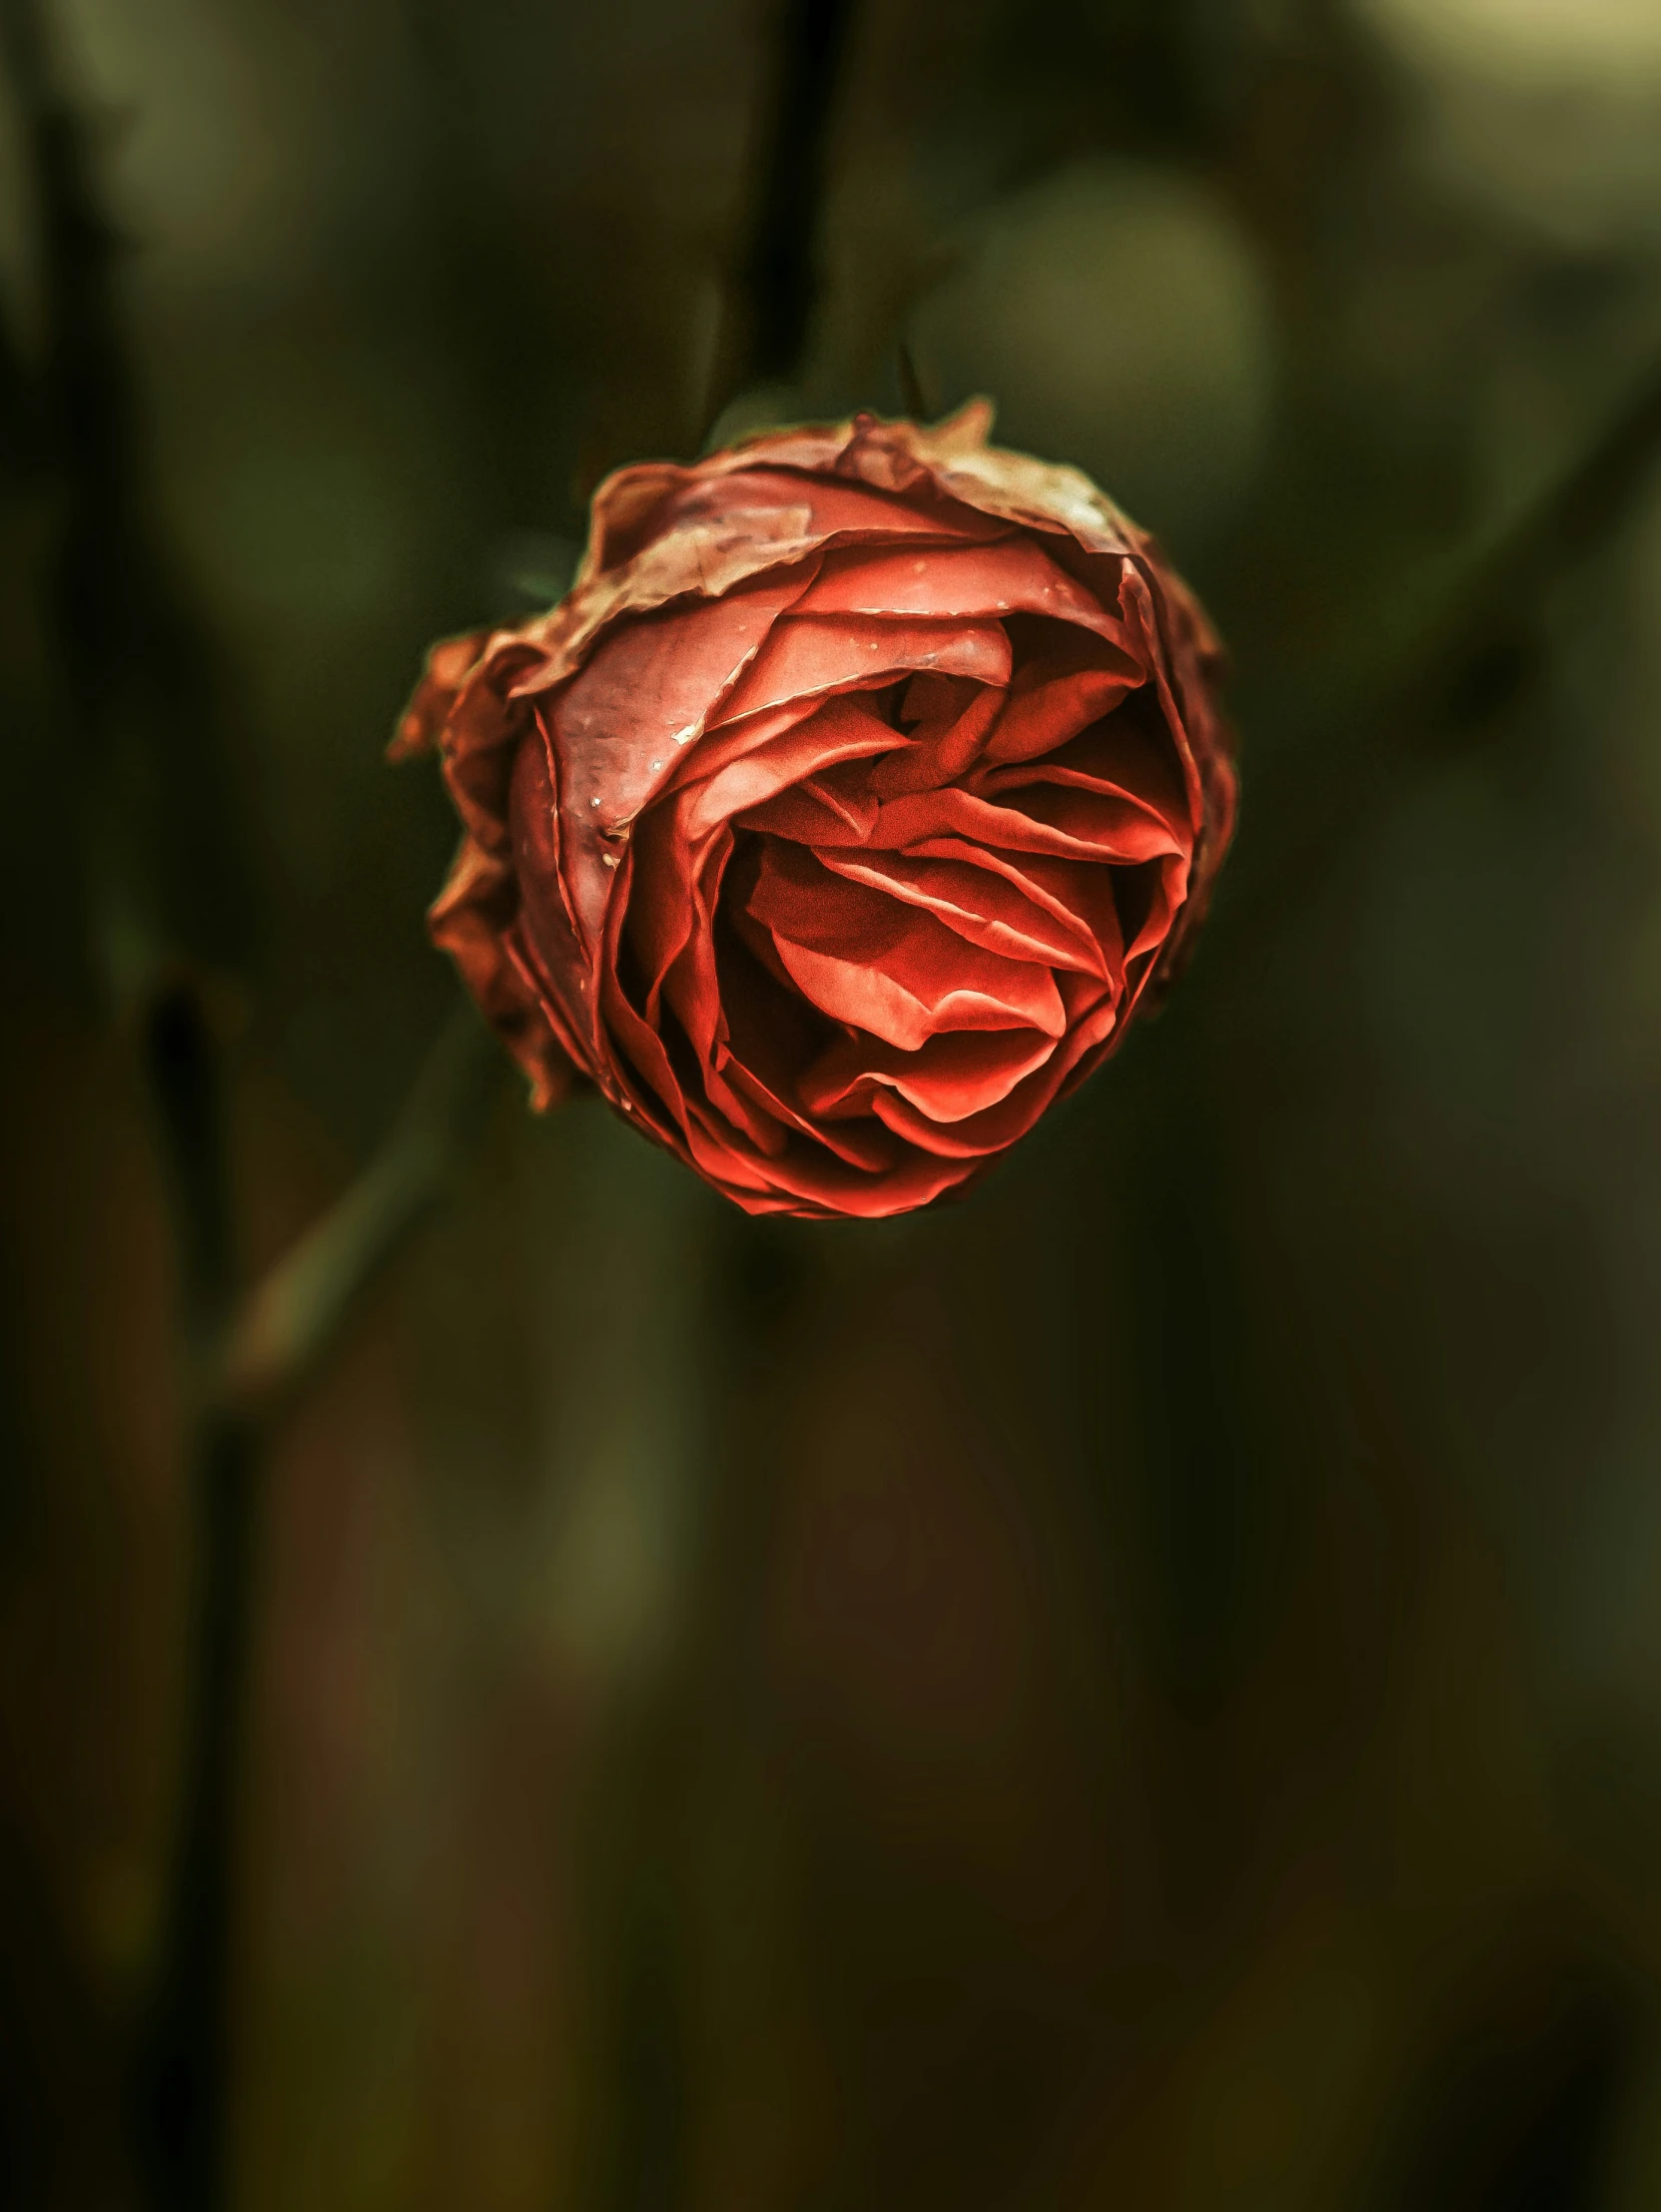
<point>837,822</point>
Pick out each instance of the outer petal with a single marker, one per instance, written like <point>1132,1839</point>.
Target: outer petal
<point>448,666</point>
<point>474,922</point>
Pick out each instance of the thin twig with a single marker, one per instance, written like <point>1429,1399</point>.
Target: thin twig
<point>1436,672</point>
<point>300,1310</point>
<point>282,1332</point>
<point>913,397</point>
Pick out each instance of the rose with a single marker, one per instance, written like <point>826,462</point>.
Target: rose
<point>837,822</point>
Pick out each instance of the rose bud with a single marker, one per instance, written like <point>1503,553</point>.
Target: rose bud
<point>864,786</point>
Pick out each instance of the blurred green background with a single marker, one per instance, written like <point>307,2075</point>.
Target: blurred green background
<point>1142,1689</point>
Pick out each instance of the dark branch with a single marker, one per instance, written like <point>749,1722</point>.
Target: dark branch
<point>302,1306</point>
<point>775,285</point>
<point>183,2069</point>
<point>165,891</point>
<point>139,673</point>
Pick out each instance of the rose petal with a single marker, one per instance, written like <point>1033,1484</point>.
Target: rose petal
<point>772,1036</point>
<point>806,658</point>
<point>651,687</point>
<point>1116,758</point>
<point>1113,828</point>
<point>826,811</point>
<point>1041,718</point>
<point>540,908</point>
<point>448,665</point>
<point>1004,577</point>
<point>946,1080</point>
<point>472,922</point>
<point>886,968</point>
<point>843,729</point>
<point>940,748</point>
<point>811,1182</point>
<point>997,1126</point>
<point>986,909</point>
<point>837,511</point>
<point>1077,895</point>
<point>1083,827</point>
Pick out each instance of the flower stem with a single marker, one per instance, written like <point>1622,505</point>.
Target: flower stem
<point>776,280</point>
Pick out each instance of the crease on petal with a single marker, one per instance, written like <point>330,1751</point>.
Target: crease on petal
<point>843,729</point>
<point>1009,574</point>
<point>987,909</point>
<point>947,1080</point>
<point>808,657</point>
<point>886,968</point>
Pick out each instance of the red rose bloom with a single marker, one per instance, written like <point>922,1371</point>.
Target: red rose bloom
<point>839,820</point>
